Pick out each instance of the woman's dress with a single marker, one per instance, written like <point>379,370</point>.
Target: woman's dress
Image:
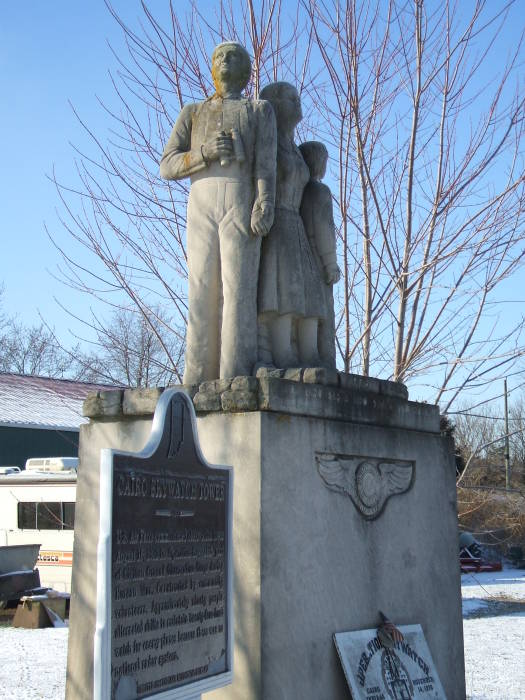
<point>289,279</point>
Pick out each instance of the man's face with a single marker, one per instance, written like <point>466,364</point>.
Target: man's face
<point>228,68</point>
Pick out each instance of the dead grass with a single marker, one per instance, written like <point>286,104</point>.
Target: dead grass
<point>494,516</point>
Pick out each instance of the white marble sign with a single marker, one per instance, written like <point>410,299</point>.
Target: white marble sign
<point>373,672</point>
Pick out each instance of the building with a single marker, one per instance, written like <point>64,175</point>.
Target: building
<point>38,508</point>
<point>40,417</point>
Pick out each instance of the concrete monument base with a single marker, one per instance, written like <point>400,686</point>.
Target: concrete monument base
<point>336,516</point>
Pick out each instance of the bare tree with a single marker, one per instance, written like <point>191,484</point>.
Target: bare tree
<point>127,351</point>
<point>480,435</point>
<point>424,130</point>
<point>517,439</point>
<point>3,315</point>
<point>428,141</point>
<point>31,350</point>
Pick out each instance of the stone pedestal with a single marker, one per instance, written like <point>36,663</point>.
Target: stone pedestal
<point>314,550</point>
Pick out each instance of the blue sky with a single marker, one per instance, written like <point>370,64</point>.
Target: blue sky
<point>49,53</point>
<point>52,54</point>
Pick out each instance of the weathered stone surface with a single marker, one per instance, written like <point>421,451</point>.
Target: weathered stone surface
<point>356,382</point>
<point>207,401</point>
<point>245,384</point>
<point>103,403</point>
<point>295,538</point>
<point>92,405</point>
<point>138,402</point>
<point>393,389</point>
<point>369,482</point>
<point>317,215</point>
<point>321,375</point>
<point>215,385</point>
<point>297,398</point>
<point>232,165</point>
<point>269,372</point>
<point>356,399</point>
<point>294,374</point>
<point>239,401</point>
<point>190,389</point>
<point>296,317</point>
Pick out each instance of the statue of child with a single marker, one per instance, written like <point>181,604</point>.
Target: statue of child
<point>317,214</point>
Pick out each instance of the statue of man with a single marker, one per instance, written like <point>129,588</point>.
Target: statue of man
<point>227,146</point>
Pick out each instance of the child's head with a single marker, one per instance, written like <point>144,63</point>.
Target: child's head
<point>315,156</point>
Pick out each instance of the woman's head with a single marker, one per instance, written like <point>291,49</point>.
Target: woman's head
<point>286,103</point>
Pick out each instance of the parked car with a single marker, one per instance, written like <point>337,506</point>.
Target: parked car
<point>51,464</point>
<point>4,471</point>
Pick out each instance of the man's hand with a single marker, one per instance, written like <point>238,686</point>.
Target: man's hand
<point>219,146</point>
<point>262,217</point>
<point>332,273</point>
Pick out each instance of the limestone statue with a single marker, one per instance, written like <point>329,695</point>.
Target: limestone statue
<point>290,301</point>
<point>318,218</point>
<point>227,146</point>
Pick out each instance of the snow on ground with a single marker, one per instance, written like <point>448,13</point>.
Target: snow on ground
<point>509,583</point>
<point>494,643</point>
<point>33,662</point>
<point>494,657</point>
<point>477,589</point>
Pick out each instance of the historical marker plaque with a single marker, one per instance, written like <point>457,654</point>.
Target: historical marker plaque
<point>373,672</point>
<point>164,565</point>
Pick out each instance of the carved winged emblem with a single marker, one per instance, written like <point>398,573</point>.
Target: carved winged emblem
<point>368,481</point>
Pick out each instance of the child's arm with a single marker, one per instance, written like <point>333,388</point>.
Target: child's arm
<point>324,228</point>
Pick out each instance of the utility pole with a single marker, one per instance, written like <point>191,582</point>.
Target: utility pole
<point>507,450</point>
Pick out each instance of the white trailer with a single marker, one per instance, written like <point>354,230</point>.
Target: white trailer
<point>39,508</point>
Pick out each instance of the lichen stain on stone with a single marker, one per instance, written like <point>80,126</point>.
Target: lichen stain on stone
<point>187,159</point>
<point>215,77</point>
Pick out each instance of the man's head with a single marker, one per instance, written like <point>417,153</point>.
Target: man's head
<point>231,67</point>
<point>315,156</point>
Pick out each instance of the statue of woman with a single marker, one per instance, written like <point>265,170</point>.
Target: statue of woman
<point>290,303</point>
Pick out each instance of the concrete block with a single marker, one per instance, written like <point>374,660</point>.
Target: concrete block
<point>138,402</point>
<point>245,384</point>
<point>190,389</point>
<point>239,401</point>
<point>355,382</point>
<point>294,374</point>
<point>215,385</point>
<point>321,375</point>
<point>103,404</point>
<point>269,372</point>
<point>393,389</point>
<point>207,401</point>
<point>298,398</point>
